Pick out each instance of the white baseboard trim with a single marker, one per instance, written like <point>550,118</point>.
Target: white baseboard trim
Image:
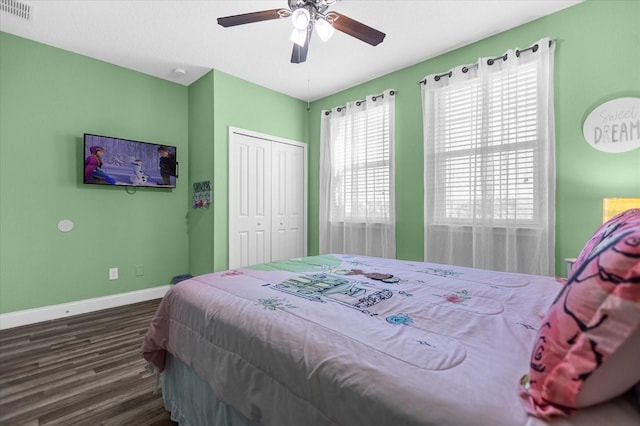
<point>46,313</point>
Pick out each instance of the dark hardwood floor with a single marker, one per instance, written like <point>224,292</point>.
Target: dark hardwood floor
<point>80,370</point>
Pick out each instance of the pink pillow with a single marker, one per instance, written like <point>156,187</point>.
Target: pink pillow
<point>622,220</point>
<point>588,344</point>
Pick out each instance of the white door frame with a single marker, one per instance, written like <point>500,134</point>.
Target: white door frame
<point>262,136</point>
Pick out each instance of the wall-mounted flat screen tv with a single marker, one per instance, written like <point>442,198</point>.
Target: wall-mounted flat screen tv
<point>124,162</point>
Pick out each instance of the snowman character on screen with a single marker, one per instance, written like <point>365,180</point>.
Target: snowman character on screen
<point>138,177</point>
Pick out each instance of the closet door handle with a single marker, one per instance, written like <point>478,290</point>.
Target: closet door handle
<point>259,223</point>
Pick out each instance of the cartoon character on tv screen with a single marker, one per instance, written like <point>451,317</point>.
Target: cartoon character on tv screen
<point>139,177</point>
<point>93,172</point>
<point>167,165</point>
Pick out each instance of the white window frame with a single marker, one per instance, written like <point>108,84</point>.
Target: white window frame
<point>520,143</point>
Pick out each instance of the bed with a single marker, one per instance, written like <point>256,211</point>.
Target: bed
<point>355,340</point>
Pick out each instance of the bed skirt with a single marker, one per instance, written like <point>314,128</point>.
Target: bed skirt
<point>192,402</point>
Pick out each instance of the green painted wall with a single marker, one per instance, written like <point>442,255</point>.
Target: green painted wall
<point>48,99</point>
<point>597,59</point>
<point>229,101</point>
<point>201,142</point>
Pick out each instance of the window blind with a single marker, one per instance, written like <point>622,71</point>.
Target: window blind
<point>487,148</point>
<point>361,166</point>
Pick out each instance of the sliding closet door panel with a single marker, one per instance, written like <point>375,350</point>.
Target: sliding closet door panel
<point>243,176</point>
<point>278,206</point>
<point>288,201</point>
<point>249,201</point>
<point>295,201</point>
<point>243,247</point>
<point>261,193</point>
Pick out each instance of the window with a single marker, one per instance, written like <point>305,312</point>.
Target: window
<point>361,166</point>
<point>487,134</point>
<point>489,150</point>
<point>357,205</point>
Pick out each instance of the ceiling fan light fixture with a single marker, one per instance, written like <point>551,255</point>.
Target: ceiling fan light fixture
<point>324,29</point>
<point>300,18</point>
<point>305,15</point>
<point>299,37</point>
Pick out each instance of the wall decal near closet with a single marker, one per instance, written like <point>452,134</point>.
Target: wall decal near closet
<point>202,194</point>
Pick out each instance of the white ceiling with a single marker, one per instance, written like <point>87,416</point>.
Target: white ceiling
<point>156,36</point>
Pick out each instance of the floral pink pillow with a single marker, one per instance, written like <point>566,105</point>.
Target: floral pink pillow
<point>622,220</point>
<point>588,345</point>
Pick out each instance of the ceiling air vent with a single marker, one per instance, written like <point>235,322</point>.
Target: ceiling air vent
<point>17,8</point>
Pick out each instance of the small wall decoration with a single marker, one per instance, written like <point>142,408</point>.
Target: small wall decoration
<point>614,126</point>
<point>201,194</point>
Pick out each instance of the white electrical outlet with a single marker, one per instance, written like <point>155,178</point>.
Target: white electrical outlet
<point>113,273</point>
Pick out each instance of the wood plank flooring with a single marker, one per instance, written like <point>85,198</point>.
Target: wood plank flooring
<point>80,370</point>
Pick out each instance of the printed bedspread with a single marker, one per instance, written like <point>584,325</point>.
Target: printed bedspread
<point>354,340</point>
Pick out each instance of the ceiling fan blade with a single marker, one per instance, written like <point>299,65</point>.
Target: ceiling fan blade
<point>248,18</point>
<point>357,29</point>
<point>299,54</point>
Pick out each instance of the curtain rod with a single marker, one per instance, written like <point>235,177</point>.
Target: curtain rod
<point>490,61</point>
<point>358,103</point>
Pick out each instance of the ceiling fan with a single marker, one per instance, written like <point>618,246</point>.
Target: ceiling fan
<point>305,16</point>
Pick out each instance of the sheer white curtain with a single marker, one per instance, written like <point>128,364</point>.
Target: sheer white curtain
<point>489,148</point>
<point>357,186</point>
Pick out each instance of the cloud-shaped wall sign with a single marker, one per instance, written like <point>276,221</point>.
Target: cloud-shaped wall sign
<point>614,126</point>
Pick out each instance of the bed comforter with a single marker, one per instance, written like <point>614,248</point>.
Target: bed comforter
<point>354,340</point>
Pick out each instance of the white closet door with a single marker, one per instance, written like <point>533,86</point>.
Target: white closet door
<point>267,198</point>
<point>249,201</point>
<point>287,203</point>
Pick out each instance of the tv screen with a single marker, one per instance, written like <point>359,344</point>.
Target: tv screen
<point>124,162</point>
